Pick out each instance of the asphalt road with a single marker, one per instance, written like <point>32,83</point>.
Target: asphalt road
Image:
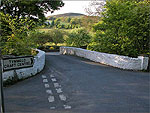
<point>70,84</point>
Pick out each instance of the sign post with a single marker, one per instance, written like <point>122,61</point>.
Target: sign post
<point>12,63</point>
<point>19,62</point>
<point>1,85</point>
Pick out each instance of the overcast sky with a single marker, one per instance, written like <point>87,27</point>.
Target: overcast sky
<point>77,6</point>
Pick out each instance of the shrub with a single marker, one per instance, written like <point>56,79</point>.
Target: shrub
<point>57,36</point>
<point>40,38</point>
<point>14,39</point>
<point>78,37</point>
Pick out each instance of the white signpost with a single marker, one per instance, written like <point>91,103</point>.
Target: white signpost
<point>12,63</point>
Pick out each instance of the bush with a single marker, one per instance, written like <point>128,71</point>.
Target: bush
<point>57,36</point>
<point>40,38</point>
<point>14,39</point>
<point>78,37</point>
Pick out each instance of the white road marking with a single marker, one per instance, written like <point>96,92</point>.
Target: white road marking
<point>45,80</point>
<point>46,85</point>
<point>43,76</point>
<point>57,85</point>
<point>53,79</point>
<point>62,97</point>
<point>49,91</point>
<point>51,98</point>
<point>51,75</point>
<point>67,107</point>
<point>52,107</point>
<point>59,90</point>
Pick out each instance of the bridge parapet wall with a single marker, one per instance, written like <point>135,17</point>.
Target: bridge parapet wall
<point>39,63</point>
<point>123,62</point>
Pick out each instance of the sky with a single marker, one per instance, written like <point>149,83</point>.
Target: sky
<point>76,6</point>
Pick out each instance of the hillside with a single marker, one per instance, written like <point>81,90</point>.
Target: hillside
<point>65,15</point>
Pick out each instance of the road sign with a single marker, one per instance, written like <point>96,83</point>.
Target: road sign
<point>17,62</point>
<point>12,63</point>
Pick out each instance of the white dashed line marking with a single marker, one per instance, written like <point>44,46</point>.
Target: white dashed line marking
<point>49,91</point>
<point>46,85</point>
<point>51,75</point>
<point>51,98</point>
<point>43,76</point>
<point>53,79</point>
<point>45,80</point>
<point>56,85</point>
<point>67,107</point>
<point>62,97</point>
<point>52,107</point>
<point>59,90</point>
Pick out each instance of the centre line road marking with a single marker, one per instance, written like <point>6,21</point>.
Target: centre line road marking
<point>52,107</point>
<point>51,99</point>
<point>51,75</point>
<point>46,85</point>
<point>62,97</point>
<point>53,79</point>
<point>59,90</point>
<point>67,107</point>
<point>43,76</point>
<point>57,85</point>
<point>45,80</point>
<point>49,91</point>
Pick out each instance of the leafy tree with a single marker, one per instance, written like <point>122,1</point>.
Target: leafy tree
<point>40,38</point>
<point>78,38</point>
<point>52,23</point>
<point>68,19</point>
<point>16,42</point>
<point>124,28</point>
<point>95,8</point>
<point>29,8</point>
<point>57,36</point>
<point>57,21</point>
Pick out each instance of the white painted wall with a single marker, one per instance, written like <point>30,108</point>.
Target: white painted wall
<point>123,62</point>
<point>39,62</point>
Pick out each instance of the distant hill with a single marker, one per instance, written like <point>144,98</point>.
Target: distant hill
<point>65,15</point>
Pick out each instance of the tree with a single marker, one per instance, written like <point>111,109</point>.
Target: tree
<point>95,8</point>
<point>40,38</point>
<point>16,41</point>
<point>78,38</point>
<point>124,28</point>
<point>68,19</point>
<point>52,23</point>
<point>34,9</point>
<point>57,36</point>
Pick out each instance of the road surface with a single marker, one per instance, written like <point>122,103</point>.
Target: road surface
<point>70,84</point>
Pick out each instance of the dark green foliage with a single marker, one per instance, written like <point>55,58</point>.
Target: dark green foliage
<point>57,36</point>
<point>40,38</point>
<point>78,37</point>
<point>29,8</point>
<point>124,29</point>
<point>18,18</point>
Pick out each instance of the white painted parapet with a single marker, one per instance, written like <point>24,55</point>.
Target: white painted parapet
<point>123,62</point>
<point>39,63</point>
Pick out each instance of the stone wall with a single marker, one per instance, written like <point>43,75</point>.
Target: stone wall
<point>39,62</point>
<point>123,62</point>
